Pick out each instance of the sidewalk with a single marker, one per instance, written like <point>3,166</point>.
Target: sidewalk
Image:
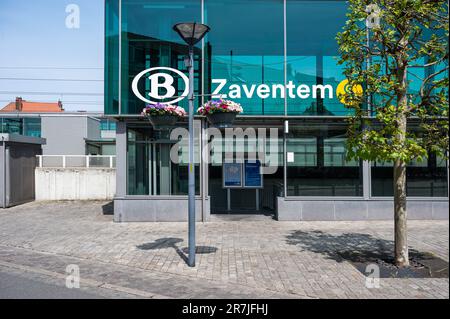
<point>237,259</point>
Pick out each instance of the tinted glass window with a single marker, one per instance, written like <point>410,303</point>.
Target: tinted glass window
<point>111,56</point>
<point>311,28</point>
<point>316,162</point>
<point>246,49</point>
<point>150,168</point>
<point>148,41</point>
<point>423,179</point>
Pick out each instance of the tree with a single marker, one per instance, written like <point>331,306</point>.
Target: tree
<point>382,46</point>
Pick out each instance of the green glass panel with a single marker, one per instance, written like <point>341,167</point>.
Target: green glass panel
<point>112,57</point>
<point>32,127</point>
<point>11,126</point>
<point>311,28</point>
<point>247,53</point>
<point>149,41</point>
<point>316,163</point>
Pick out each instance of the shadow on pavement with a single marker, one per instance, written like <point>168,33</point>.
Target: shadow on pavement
<point>364,249</point>
<point>171,242</point>
<point>202,250</point>
<point>162,243</point>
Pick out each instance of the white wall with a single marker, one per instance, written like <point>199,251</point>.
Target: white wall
<point>75,183</point>
<point>108,134</point>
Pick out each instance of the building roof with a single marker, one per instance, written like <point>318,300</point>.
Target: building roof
<point>17,138</point>
<point>24,106</point>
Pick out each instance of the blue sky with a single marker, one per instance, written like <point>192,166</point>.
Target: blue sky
<point>36,44</point>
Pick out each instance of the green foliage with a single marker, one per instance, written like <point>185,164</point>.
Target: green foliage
<point>412,35</point>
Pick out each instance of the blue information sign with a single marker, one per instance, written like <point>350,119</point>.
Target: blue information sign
<point>252,174</point>
<point>232,174</point>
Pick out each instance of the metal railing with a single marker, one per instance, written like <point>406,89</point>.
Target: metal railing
<point>76,161</point>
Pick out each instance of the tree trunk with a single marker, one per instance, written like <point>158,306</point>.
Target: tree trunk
<point>400,215</point>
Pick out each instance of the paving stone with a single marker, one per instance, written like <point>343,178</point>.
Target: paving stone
<point>246,259</point>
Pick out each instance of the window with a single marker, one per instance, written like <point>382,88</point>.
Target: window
<point>22,126</point>
<point>149,41</point>
<point>247,50</point>
<point>150,169</point>
<point>11,125</point>
<point>312,53</point>
<point>316,162</point>
<point>32,127</point>
<point>107,125</point>
<point>111,57</point>
<point>423,179</point>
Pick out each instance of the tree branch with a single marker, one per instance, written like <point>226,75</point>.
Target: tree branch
<point>428,78</point>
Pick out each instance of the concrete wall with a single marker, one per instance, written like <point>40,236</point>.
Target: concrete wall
<point>66,134</point>
<point>342,210</point>
<point>75,183</point>
<point>154,209</point>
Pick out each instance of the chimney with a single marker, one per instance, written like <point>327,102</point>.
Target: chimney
<point>19,104</point>
<point>60,105</point>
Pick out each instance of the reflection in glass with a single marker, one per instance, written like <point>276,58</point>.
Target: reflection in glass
<point>148,41</point>
<point>247,52</point>
<point>112,57</point>
<point>316,163</point>
<point>423,179</point>
<point>150,168</point>
<point>312,53</point>
<point>27,126</point>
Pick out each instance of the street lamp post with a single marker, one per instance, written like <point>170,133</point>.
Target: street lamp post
<point>191,33</point>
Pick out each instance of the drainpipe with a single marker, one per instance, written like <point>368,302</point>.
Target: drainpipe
<point>4,171</point>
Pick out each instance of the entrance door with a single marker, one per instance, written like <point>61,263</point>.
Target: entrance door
<point>242,189</point>
<point>243,200</point>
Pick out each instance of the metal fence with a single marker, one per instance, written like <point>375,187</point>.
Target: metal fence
<point>77,161</point>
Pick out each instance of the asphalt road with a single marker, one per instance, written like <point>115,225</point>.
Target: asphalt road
<point>14,286</point>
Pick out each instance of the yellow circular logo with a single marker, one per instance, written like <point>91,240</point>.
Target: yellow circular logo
<point>344,89</point>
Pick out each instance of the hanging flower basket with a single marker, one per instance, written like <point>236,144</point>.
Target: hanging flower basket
<point>163,116</point>
<point>220,113</point>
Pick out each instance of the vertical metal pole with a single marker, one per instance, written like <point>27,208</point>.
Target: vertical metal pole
<point>191,203</point>
<point>120,59</point>
<point>3,168</point>
<point>368,63</point>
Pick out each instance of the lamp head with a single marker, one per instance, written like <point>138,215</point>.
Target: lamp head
<point>191,32</point>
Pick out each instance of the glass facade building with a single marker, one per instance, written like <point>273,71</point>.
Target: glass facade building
<point>279,60</point>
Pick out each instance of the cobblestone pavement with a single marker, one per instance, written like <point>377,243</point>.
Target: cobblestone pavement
<point>240,259</point>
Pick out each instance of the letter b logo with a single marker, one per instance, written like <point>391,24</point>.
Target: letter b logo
<point>162,86</point>
<point>167,85</point>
